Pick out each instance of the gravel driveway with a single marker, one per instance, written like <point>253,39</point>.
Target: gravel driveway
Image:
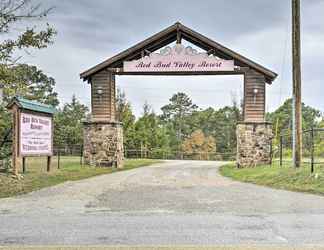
<point>175,202</point>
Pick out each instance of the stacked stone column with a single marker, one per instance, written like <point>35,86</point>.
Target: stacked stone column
<point>253,144</point>
<point>103,144</point>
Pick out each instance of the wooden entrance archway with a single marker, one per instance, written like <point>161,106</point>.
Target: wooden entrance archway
<point>103,129</point>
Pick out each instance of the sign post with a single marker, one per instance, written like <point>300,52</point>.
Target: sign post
<point>15,140</point>
<point>32,131</point>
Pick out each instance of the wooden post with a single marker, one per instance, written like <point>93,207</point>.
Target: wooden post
<point>271,151</point>
<point>81,155</point>
<point>178,37</point>
<point>58,158</point>
<point>178,34</point>
<point>15,140</point>
<point>312,150</point>
<point>141,150</point>
<point>49,159</point>
<point>24,164</point>
<point>280,151</point>
<point>297,126</point>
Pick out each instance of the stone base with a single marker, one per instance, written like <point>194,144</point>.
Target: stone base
<point>103,144</point>
<point>253,144</point>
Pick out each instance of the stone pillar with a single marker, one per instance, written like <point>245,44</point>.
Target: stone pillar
<point>103,144</point>
<point>253,143</point>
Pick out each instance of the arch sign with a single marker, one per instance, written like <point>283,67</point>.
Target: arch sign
<point>178,59</point>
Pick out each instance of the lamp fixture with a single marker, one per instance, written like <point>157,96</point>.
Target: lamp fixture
<point>255,92</point>
<point>99,90</point>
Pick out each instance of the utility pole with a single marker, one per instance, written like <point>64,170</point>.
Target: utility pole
<point>297,107</point>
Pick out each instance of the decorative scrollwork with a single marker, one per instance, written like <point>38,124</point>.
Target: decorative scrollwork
<point>178,50</point>
<point>165,51</point>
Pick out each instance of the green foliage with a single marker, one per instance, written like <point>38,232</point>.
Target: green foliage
<point>68,124</point>
<point>281,119</point>
<point>148,130</point>
<point>5,134</point>
<point>173,131</point>
<point>168,133</point>
<point>22,33</point>
<point>22,13</point>
<point>17,36</point>
<point>177,113</point>
<point>5,120</point>
<point>125,115</point>
<point>29,82</point>
<point>220,124</point>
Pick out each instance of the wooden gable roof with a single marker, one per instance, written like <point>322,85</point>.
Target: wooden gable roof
<point>169,35</point>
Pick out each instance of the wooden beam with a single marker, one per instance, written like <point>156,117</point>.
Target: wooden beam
<point>179,37</point>
<point>297,105</point>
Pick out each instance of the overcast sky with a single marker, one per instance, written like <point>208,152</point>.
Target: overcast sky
<point>92,31</point>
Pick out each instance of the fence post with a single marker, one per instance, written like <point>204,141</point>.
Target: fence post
<point>58,158</point>
<point>141,150</point>
<point>280,150</point>
<point>312,150</point>
<point>271,152</point>
<point>49,158</point>
<point>24,164</point>
<point>81,155</point>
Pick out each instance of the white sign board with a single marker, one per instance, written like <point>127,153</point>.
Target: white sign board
<point>178,58</point>
<point>35,135</point>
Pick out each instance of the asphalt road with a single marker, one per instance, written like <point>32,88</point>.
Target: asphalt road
<point>176,202</point>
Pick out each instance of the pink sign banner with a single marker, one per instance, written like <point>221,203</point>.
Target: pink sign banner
<point>178,58</point>
<point>35,135</point>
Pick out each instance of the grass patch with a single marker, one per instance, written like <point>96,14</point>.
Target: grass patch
<point>285,177</point>
<point>36,176</point>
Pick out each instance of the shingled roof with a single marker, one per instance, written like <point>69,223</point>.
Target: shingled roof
<point>170,35</point>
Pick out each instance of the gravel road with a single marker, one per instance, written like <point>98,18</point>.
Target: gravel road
<point>174,202</point>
